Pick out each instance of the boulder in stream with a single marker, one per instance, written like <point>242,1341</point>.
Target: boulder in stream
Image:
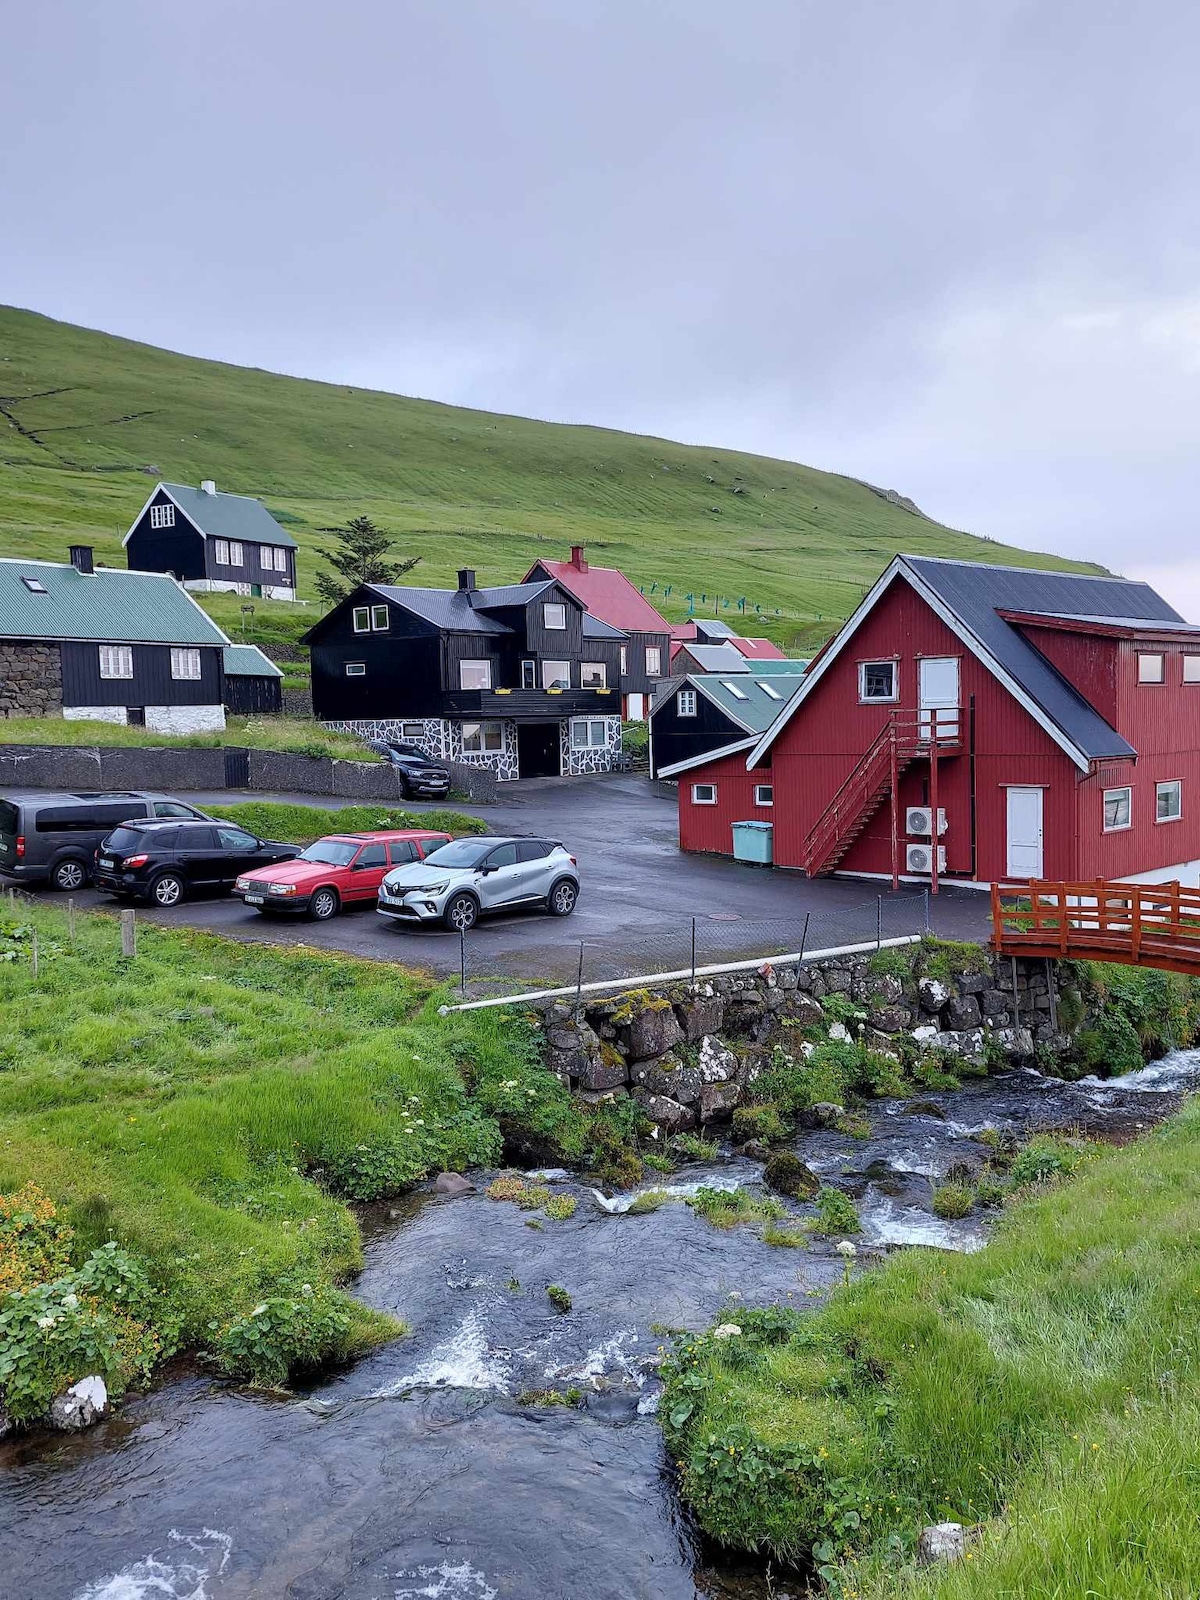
<point>83,1404</point>
<point>787,1174</point>
<point>452,1183</point>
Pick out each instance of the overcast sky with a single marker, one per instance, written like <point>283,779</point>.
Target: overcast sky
<point>953,248</point>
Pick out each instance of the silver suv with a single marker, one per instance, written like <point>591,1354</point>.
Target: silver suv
<point>461,881</point>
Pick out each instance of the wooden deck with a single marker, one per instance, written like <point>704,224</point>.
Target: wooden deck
<point>1136,924</point>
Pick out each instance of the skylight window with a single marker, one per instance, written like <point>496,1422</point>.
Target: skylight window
<point>771,694</point>
<point>34,585</point>
<point>735,690</point>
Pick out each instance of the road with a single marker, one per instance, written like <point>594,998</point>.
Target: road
<point>635,911</point>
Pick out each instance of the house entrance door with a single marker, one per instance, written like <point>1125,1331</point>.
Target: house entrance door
<point>938,683</point>
<point>538,753</point>
<point>1024,854</point>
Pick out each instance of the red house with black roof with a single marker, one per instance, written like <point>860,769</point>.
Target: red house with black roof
<point>1029,724</point>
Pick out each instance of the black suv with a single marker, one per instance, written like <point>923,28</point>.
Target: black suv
<point>417,773</point>
<point>164,861</point>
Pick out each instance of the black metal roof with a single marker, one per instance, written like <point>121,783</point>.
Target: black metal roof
<point>976,594</point>
<point>445,608</point>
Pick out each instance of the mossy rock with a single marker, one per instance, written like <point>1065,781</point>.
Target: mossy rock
<point>787,1174</point>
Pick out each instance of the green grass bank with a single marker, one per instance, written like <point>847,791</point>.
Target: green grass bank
<point>299,736</point>
<point>300,824</point>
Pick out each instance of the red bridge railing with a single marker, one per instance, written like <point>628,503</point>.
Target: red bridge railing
<point>1135,924</point>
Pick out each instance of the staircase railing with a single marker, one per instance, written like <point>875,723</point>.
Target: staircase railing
<point>905,736</point>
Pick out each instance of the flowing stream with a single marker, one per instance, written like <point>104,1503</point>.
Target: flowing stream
<point>420,1472</point>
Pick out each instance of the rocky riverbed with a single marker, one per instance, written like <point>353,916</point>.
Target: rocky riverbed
<point>427,1470</point>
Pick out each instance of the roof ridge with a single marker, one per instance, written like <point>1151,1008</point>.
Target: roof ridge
<point>229,494</point>
<point>1041,572</point>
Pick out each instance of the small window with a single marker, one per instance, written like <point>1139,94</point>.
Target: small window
<point>1191,669</point>
<point>1118,804</point>
<point>764,794</point>
<point>1168,801</point>
<point>274,558</point>
<point>771,692</point>
<point>356,669</point>
<point>380,619</point>
<point>735,689</point>
<point>1150,668</point>
<point>653,661</point>
<point>116,661</point>
<point>480,738</point>
<point>529,674</point>
<point>474,674</point>
<point>593,675</point>
<point>34,585</point>
<point>235,553</point>
<point>235,839</point>
<point>685,702</point>
<point>556,674</point>
<point>362,619</point>
<point>554,616</point>
<point>587,734</point>
<point>876,681</point>
<point>704,794</point>
<point>185,663</point>
<point>221,552</point>
<point>412,730</point>
<point>625,660</point>
<point>401,852</point>
<point>162,516</point>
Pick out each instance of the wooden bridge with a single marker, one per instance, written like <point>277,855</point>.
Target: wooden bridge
<point>1136,924</point>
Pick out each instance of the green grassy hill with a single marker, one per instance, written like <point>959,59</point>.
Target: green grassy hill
<point>89,422</point>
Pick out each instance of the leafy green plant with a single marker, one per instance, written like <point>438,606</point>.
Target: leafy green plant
<point>560,1207</point>
<point>558,1297</point>
<point>758,1122</point>
<point>835,1211</point>
<point>951,1200</point>
<point>726,1208</point>
<point>694,1148</point>
<point>282,1335</point>
<point>1048,1157</point>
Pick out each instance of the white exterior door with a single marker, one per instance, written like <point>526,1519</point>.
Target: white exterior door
<point>1024,856</point>
<point>634,712</point>
<point>938,688</point>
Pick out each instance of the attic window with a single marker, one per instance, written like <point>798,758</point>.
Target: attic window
<point>876,681</point>
<point>162,516</point>
<point>686,702</point>
<point>735,689</point>
<point>34,585</point>
<point>1150,668</point>
<point>1191,669</point>
<point>770,692</point>
<point>554,616</point>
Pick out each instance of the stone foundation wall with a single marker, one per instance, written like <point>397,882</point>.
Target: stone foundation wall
<point>30,680</point>
<point>687,1056</point>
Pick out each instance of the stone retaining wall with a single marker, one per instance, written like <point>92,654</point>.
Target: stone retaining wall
<point>687,1056</point>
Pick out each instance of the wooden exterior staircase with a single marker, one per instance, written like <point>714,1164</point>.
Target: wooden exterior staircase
<point>906,737</point>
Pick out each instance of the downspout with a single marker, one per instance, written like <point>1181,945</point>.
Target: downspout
<point>971,760</point>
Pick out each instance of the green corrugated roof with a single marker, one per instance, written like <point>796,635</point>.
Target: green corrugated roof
<point>110,605</point>
<point>248,661</point>
<point>774,668</point>
<point>228,516</point>
<point>758,710</point>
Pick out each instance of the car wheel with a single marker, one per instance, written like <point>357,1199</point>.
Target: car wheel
<point>560,902</point>
<point>324,904</point>
<point>69,876</point>
<point>403,787</point>
<point>461,913</point>
<point>167,889</point>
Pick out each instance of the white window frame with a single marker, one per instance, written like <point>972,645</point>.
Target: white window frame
<point>362,619</point>
<point>584,731</point>
<point>275,558</point>
<point>485,732</point>
<point>595,667</point>
<point>554,616</point>
<point>356,669</point>
<point>476,664</point>
<point>162,516</point>
<point>1168,784</point>
<point>235,553</point>
<point>1125,789</point>
<point>116,662</point>
<point>412,732</point>
<point>1144,660</point>
<point>865,699</point>
<point>625,660</point>
<point>378,612</point>
<point>1191,667</point>
<point>707,799</point>
<point>185,663</point>
<point>549,675</point>
<point>529,674</point>
<point>685,703</point>
<point>221,552</point>
<point>653,661</point>
<point>761,789</point>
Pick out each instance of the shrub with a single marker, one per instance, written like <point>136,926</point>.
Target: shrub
<point>836,1212</point>
<point>1046,1158</point>
<point>758,1122</point>
<point>952,1200</point>
<point>282,1335</point>
<point>560,1207</point>
<point>643,1204</point>
<point>725,1208</point>
<point>558,1298</point>
<point>693,1148</point>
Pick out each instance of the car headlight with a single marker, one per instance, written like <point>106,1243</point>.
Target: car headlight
<point>242,883</point>
<point>281,888</point>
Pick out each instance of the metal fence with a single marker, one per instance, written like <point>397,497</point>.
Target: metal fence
<point>686,947</point>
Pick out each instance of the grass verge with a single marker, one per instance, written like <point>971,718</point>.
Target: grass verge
<point>300,824</point>
<point>301,736</point>
<point>1043,1387</point>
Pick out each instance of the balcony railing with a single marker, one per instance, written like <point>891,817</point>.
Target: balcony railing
<point>528,705</point>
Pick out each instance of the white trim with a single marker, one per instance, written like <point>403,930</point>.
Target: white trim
<point>699,761</point>
<point>758,789</point>
<point>696,800</point>
<point>1168,783</point>
<point>897,568</point>
<point>1117,827</point>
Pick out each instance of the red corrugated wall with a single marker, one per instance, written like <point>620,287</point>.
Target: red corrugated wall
<point>709,827</point>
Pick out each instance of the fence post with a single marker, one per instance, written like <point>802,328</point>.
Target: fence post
<point>71,919</point>
<point>879,922</point>
<point>129,934</point>
<point>579,978</point>
<point>693,952</point>
<point>33,950</point>
<point>804,934</point>
<point>925,898</point>
<point>462,960</point>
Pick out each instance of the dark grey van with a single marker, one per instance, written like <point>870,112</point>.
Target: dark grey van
<point>53,838</point>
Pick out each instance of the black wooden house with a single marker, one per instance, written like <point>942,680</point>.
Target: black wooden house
<point>518,678</point>
<point>211,540</point>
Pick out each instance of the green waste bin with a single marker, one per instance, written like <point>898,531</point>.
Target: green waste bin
<point>753,841</point>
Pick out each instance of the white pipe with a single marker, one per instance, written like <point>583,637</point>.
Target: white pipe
<point>674,977</point>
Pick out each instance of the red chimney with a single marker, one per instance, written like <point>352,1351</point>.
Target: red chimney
<point>577,558</point>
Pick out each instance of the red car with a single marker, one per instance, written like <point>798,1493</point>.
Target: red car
<point>335,871</point>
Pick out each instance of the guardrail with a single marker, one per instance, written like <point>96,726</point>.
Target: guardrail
<point>1136,924</point>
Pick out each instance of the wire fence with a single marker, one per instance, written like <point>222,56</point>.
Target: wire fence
<point>687,948</point>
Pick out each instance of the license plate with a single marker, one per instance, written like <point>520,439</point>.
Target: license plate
<point>254,899</point>
<point>106,863</point>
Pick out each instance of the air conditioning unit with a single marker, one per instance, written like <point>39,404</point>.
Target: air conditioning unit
<point>919,820</point>
<point>919,858</point>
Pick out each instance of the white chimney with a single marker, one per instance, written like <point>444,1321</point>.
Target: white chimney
<point>207,486</point>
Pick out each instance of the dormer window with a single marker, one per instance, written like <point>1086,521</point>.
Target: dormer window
<point>162,516</point>
<point>554,616</point>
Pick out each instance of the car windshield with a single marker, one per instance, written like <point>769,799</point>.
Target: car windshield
<point>462,853</point>
<point>333,852</point>
<point>409,750</point>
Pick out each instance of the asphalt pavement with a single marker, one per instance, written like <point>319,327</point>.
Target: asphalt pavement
<point>639,897</point>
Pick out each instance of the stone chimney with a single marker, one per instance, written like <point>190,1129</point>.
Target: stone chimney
<point>81,558</point>
<point>207,486</point>
<point>577,558</point>
<point>466,578</point>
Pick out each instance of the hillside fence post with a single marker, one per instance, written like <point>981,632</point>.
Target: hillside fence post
<point>129,934</point>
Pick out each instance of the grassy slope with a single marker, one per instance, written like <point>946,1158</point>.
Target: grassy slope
<point>297,735</point>
<point>458,487</point>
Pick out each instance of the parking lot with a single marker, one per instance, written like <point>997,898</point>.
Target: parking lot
<point>638,899</point>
